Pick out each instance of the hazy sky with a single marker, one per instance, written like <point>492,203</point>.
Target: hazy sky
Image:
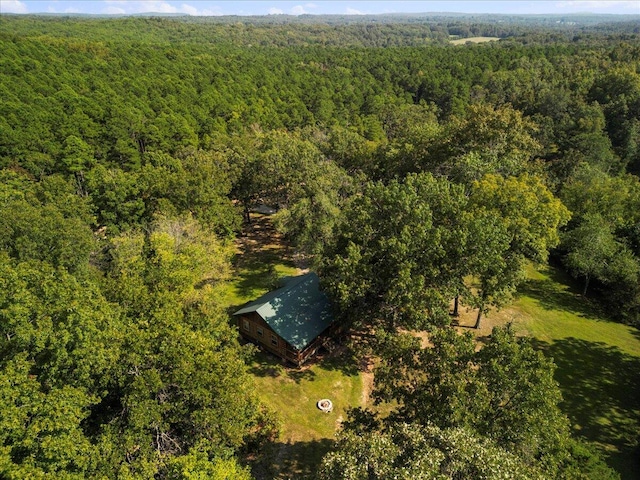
<point>264,7</point>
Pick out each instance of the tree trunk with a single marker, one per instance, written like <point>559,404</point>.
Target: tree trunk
<point>478,318</point>
<point>456,301</point>
<point>586,285</point>
<point>247,215</point>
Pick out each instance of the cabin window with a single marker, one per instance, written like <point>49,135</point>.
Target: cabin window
<point>245,323</point>
<point>259,331</point>
<point>274,340</point>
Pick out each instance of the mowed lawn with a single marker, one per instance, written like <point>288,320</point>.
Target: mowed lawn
<point>598,364</point>
<point>306,432</point>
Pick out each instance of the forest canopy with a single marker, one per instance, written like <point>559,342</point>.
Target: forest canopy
<point>411,172</point>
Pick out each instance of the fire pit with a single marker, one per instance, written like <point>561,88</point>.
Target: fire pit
<point>325,405</point>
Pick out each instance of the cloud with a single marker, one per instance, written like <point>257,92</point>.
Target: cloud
<point>138,6</point>
<point>275,11</point>
<point>162,7</point>
<point>632,6</point>
<point>189,9</point>
<point>12,6</point>
<point>353,11</point>
<point>298,10</point>
<point>110,10</point>
<point>127,7</point>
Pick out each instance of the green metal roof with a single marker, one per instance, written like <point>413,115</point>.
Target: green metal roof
<point>298,312</point>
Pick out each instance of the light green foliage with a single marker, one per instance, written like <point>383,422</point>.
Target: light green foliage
<point>487,140</point>
<point>532,215</point>
<point>403,250</point>
<point>349,150</point>
<point>118,401</point>
<point>591,191</point>
<point>432,385</point>
<point>194,181</point>
<point>182,378</point>
<point>514,218</point>
<point>64,325</point>
<point>594,252</point>
<point>522,411</point>
<point>197,182</point>
<point>77,155</point>
<point>197,466</point>
<point>40,432</point>
<point>412,131</point>
<point>601,243</point>
<point>59,350</point>
<point>408,451</point>
<point>117,197</point>
<point>177,261</point>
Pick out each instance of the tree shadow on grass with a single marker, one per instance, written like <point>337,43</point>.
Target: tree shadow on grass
<point>266,365</point>
<point>558,292</point>
<point>289,460</point>
<point>258,275</point>
<point>601,389</point>
<point>261,252</point>
<point>341,359</point>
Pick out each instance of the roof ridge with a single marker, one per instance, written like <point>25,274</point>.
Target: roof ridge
<point>297,312</point>
<point>294,282</point>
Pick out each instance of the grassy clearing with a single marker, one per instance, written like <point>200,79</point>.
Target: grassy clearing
<point>306,433</point>
<point>462,41</point>
<point>261,258</point>
<point>598,364</point>
<point>598,361</point>
<point>553,309</point>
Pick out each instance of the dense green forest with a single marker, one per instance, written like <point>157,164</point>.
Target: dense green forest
<point>409,171</point>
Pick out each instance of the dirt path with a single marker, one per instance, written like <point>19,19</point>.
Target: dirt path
<point>366,372</point>
<point>260,239</point>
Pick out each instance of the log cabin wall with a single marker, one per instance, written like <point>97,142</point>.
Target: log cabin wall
<point>253,328</point>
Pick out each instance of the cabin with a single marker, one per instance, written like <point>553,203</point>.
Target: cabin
<point>292,322</point>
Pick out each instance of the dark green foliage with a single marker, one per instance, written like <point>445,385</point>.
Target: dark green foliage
<point>125,385</point>
<point>601,242</point>
<point>59,350</point>
<point>409,169</point>
<point>44,221</point>
<point>403,250</point>
<point>504,393</point>
<point>395,255</point>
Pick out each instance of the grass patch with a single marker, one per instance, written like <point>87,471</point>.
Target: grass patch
<point>261,259</point>
<point>462,41</point>
<point>598,364</point>
<point>307,433</point>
